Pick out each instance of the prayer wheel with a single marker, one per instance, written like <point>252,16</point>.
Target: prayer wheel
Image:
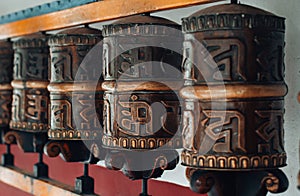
<point>76,101</point>
<point>142,76</point>
<point>29,117</point>
<point>6,75</point>
<point>234,100</point>
<point>29,120</point>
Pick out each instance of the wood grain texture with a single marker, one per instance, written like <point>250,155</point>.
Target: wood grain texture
<point>91,13</point>
<point>21,180</point>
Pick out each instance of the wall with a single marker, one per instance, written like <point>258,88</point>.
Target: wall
<point>288,9</point>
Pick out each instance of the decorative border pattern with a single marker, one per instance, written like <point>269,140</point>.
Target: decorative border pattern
<point>142,143</point>
<point>141,29</point>
<point>233,162</point>
<point>30,127</point>
<point>30,43</point>
<point>232,21</point>
<point>63,40</point>
<point>73,134</point>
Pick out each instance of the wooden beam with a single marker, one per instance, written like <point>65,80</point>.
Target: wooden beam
<point>24,181</point>
<point>91,13</point>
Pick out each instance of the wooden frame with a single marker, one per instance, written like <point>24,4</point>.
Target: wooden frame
<point>21,180</point>
<point>91,13</point>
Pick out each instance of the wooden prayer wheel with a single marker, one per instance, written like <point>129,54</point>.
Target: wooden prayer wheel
<point>6,74</point>
<point>234,100</point>
<point>76,101</point>
<point>141,106</point>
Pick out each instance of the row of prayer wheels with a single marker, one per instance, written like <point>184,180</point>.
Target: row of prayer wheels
<point>140,89</point>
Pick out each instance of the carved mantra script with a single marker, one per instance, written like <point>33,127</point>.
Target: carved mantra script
<point>225,130</point>
<point>271,131</point>
<point>61,114</point>
<point>61,61</point>
<point>188,132</point>
<point>37,108</point>
<point>229,56</point>
<point>66,64</point>
<point>16,107</point>
<point>137,118</point>
<point>88,114</point>
<point>106,117</point>
<point>270,57</point>
<point>35,65</point>
<point>86,117</point>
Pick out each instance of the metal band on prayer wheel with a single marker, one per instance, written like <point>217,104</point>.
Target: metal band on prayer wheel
<point>73,95</point>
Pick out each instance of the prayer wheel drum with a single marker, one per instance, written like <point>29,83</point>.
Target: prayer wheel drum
<point>76,101</point>
<point>233,113</point>
<point>30,95</point>
<point>142,109</point>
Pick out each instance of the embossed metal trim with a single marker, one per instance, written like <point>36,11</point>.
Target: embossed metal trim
<point>232,21</point>
<point>64,40</point>
<point>30,43</point>
<point>5,87</point>
<point>57,134</point>
<point>29,84</point>
<point>141,29</point>
<point>141,142</point>
<point>29,126</point>
<point>233,162</point>
<point>141,86</point>
<point>74,87</point>
<point>233,91</point>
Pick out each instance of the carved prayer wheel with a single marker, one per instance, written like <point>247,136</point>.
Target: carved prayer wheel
<point>30,95</point>
<point>234,100</point>
<point>76,100</point>
<point>6,74</point>
<point>141,107</point>
<point>75,95</point>
<point>29,118</point>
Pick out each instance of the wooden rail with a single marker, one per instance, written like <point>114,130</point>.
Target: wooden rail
<point>91,13</point>
<point>21,180</point>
